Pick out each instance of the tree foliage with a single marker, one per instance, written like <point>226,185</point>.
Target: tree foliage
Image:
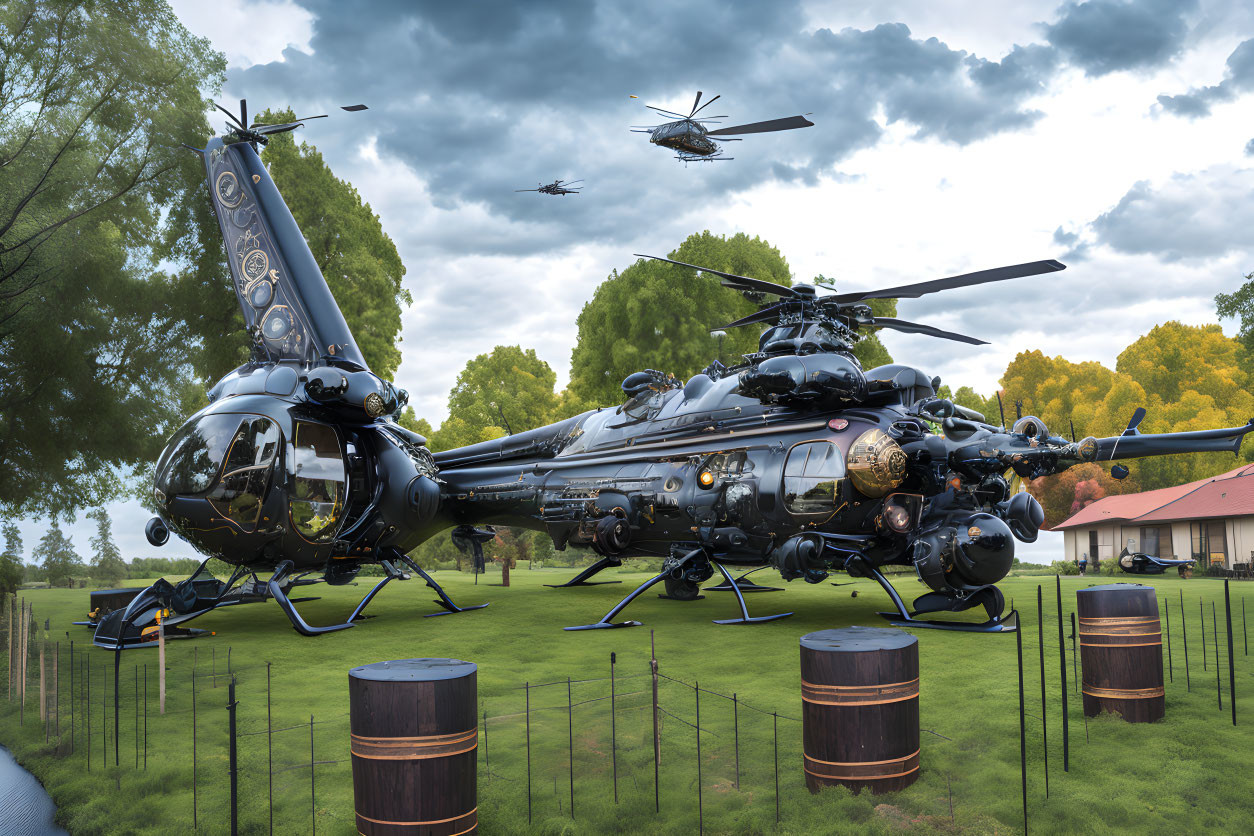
<point>508,387</point>
<point>1240,305</point>
<point>11,560</point>
<point>56,556</point>
<point>107,565</point>
<point>655,315</point>
<point>358,259</point>
<point>95,194</point>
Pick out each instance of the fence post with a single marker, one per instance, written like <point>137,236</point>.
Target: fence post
<point>1184,628</point>
<point>233,768</point>
<point>9,639</point>
<point>1232,671</point>
<point>87,704</point>
<point>1040,635</point>
<point>614,728</point>
<point>195,826</point>
<point>700,813</point>
<point>137,716</point>
<point>313,816</point>
<point>145,716</point>
<point>1075,655</point>
<point>73,696</point>
<point>487,767</point>
<point>527,689</point>
<point>1201,617</point>
<point>657,739</point>
<point>161,663</point>
<point>56,679</point>
<point>570,737</point>
<point>1023,734</point>
<point>1214,629</point>
<point>736,729</point>
<point>43,687</point>
<point>775,723</point>
<point>1171,673</point>
<point>269,753</point>
<point>1062,663</point>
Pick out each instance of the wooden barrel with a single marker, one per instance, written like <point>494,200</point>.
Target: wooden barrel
<point>105,601</point>
<point>1121,651</point>
<point>413,741</point>
<point>860,708</point>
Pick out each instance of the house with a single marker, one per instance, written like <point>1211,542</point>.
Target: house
<point>1211,520</point>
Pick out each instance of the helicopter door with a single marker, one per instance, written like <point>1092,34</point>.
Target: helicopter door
<point>319,482</point>
<point>812,476</point>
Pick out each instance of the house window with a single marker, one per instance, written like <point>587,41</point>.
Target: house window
<point>1210,545</point>
<point>1156,540</point>
<point>1093,558</point>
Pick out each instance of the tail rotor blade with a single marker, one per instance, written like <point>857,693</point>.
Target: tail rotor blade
<point>786,124</point>
<point>918,328</point>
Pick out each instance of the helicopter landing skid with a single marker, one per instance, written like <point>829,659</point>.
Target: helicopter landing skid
<point>745,618</point>
<point>444,600</point>
<point>744,585</point>
<point>582,578</point>
<point>904,618</point>
<point>276,592</point>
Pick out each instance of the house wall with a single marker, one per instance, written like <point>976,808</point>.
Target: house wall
<point>1076,542</point>
<point>1112,537</point>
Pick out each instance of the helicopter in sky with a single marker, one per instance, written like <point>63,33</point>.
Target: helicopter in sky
<point>561,187</point>
<point>794,458</point>
<point>694,142</point>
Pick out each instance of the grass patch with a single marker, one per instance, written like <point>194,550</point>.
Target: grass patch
<point>1183,774</point>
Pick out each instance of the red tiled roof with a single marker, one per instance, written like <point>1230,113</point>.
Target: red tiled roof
<point>1218,496</point>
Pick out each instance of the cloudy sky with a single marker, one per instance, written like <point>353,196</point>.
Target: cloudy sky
<point>950,135</point>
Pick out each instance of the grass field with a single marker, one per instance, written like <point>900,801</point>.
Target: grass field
<point>1190,772</point>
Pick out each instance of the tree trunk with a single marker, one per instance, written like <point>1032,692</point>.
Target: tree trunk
<point>505,572</point>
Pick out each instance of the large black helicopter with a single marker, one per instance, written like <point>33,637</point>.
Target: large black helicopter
<point>557,187</point>
<point>794,458</point>
<point>694,142</point>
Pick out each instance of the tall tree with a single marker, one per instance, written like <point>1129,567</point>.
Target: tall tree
<point>107,565</point>
<point>1240,305</point>
<point>358,259</point>
<point>11,560</point>
<point>655,315</point>
<point>509,389</point>
<point>95,195</point>
<point>56,556</point>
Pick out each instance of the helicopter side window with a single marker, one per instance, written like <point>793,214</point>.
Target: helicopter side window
<point>318,481</point>
<point>193,458</point>
<point>812,476</point>
<point>246,473</point>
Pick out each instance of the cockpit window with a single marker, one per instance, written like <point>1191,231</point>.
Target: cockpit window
<point>812,477</point>
<point>246,474</point>
<point>318,481</point>
<point>193,458</point>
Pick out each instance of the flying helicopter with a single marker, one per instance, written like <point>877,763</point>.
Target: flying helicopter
<point>694,142</point>
<point>793,458</point>
<point>561,187</point>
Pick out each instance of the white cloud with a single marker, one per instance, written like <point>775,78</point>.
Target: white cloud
<point>249,32</point>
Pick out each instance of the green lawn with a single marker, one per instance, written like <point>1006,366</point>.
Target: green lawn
<point>1188,773</point>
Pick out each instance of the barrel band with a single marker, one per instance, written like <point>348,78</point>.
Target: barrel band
<point>1120,627</point>
<point>862,770</point>
<point>413,748</point>
<point>859,694</point>
<point>1158,643</point>
<point>1124,693</point>
<point>464,819</point>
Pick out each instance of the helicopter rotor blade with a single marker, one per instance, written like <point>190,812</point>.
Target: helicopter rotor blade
<point>526,190</point>
<point>231,115</point>
<point>354,108</point>
<point>707,104</point>
<point>243,112</point>
<point>765,315</point>
<point>694,104</point>
<point>266,130</point>
<point>737,282</point>
<point>911,291</point>
<point>667,112</point>
<point>786,124</point>
<point>928,330</point>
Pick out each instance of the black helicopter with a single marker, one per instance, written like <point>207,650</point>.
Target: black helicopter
<point>795,458</point>
<point>557,187</point>
<point>693,142</point>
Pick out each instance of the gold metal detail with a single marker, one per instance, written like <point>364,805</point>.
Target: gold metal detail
<point>875,463</point>
<point>226,187</point>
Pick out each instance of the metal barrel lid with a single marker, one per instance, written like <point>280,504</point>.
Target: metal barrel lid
<point>1115,587</point>
<point>857,640</point>
<point>414,670</point>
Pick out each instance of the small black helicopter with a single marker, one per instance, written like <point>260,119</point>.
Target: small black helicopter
<point>692,141</point>
<point>794,458</point>
<point>561,187</point>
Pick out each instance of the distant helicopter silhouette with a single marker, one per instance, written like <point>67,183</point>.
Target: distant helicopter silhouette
<point>692,141</point>
<point>561,187</point>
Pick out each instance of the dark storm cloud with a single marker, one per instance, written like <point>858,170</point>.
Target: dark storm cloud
<point>1103,36</point>
<point>1201,215</point>
<point>1238,78</point>
<point>481,101</point>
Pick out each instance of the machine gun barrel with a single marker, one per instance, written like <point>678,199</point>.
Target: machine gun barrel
<point>1133,444</point>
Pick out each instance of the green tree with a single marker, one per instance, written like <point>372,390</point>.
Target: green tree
<point>95,195</point>
<point>655,315</point>
<point>1240,305</point>
<point>358,259</point>
<point>56,556</point>
<point>107,566</point>
<point>509,386</point>
<point>11,560</point>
